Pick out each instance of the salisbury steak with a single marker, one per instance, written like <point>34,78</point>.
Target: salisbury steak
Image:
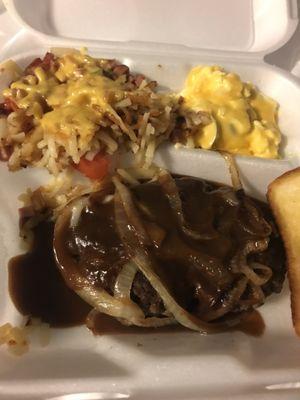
<point>215,252</point>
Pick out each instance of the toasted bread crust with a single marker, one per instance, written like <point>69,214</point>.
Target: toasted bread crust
<point>284,198</point>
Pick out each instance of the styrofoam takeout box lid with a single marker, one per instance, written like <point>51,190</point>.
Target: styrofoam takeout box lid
<point>255,26</point>
<point>176,35</point>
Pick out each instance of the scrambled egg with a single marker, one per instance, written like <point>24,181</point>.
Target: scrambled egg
<point>243,120</point>
<point>78,95</point>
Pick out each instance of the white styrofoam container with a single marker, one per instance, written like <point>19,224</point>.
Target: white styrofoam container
<point>177,35</point>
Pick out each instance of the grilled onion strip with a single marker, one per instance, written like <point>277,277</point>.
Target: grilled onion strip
<point>170,190</point>
<point>146,264</point>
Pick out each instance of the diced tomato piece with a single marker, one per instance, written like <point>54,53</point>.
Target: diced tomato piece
<point>48,61</point>
<point>8,106</point>
<point>44,63</point>
<point>95,169</point>
<point>34,64</point>
<point>5,152</point>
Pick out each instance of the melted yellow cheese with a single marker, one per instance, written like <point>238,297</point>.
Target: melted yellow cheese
<point>28,91</point>
<point>78,96</point>
<point>244,121</point>
<point>89,90</point>
<point>73,99</point>
<point>70,120</point>
<point>76,64</point>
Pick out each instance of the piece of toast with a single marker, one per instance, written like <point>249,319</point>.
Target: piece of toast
<point>284,198</point>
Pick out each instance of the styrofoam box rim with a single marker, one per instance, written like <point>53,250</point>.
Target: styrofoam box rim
<point>234,27</point>
<point>177,366</point>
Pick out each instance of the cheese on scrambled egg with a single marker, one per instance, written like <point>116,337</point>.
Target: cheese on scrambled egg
<point>244,121</point>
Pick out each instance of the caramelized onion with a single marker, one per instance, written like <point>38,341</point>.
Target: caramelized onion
<point>239,262</point>
<point>260,227</point>
<point>234,172</point>
<point>104,302</point>
<point>97,297</point>
<point>255,297</point>
<point>131,212</point>
<point>227,304</point>
<point>77,207</point>
<point>121,307</point>
<point>182,316</point>
<point>146,264</point>
<point>225,192</point>
<point>151,322</point>
<point>241,288</point>
<point>124,281</point>
<point>240,258</point>
<point>259,279</point>
<point>170,189</point>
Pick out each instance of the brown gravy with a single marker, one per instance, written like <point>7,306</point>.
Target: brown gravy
<point>37,287</point>
<point>38,290</point>
<point>198,273</point>
<point>252,325</point>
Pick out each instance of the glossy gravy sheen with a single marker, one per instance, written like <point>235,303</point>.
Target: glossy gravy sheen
<point>102,324</point>
<point>38,289</point>
<point>196,272</point>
